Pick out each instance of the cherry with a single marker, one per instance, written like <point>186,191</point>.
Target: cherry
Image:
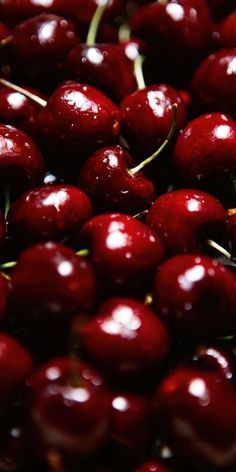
<point>41,43</point>
<point>52,212</point>
<point>232,234</point>
<point>126,339</point>
<point>4,32</point>
<point>106,179</point>
<point>203,296</point>
<point>147,115</point>
<point>192,407</point>
<point>83,10</point>
<point>79,118</point>
<point>124,251</point>
<point>72,419</point>
<point>215,359</point>
<point>214,83</point>
<point>13,12</point>
<point>228,31</point>
<point>185,219</point>
<point>153,466</point>
<point>15,365</point>
<point>50,279</point>
<point>21,163</point>
<point>206,149</point>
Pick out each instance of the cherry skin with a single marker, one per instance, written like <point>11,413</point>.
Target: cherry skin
<point>49,280</point>
<point>13,12</point>
<point>215,359</point>
<point>184,219</point>
<point>192,407</point>
<point>124,251</point>
<point>126,339</point>
<point>214,84</point>
<point>4,32</point>
<point>16,364</point>
<point>153,466</point>
<point>79,119</point>
<point>147,116</point>
<point>21,162</point>
<point>72,419</point>
<point>228,31</point>
<point>41,43</point>
<point>104,66</point>
<point>232,235</point>
<point>105,178</point>
<point>203,296</point>
<point>4,293</point>
<point>206,149</point>
<point>52,212</point>
<point>83,11</point>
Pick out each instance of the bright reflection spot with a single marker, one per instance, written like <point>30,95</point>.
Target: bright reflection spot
<point>46,31</point>
<point>198,389</point>
<point>176,12</point>
<point>55,199</point>
<point>42,3</point>
<point>65,268</point>
<point>131,51</point>
<point>16,100</point>
<point>77,394</point>
<point>232,67</point>
<point>156,100</point>
<point>15,432</point>
<point>120,403</point>
<point>191,276</point>
<point>116,240</point>
<point>94,55</point>
<point>80,101</point>
<point>53,373</point>
<point>222,131</point>
<point>193,205</point>
<point>123,323</point>
<point>113,161</point>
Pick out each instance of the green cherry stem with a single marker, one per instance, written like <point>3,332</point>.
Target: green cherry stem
<point>138,71</point>
<point>95,22</point>
<point>40,101</point>
<point>147,161</point>
<point>5,41</point>
<point>124,32</point>
<point>82,252</point>
<point>218,248</point>
<point>7,203</point>
<point>7,265</point>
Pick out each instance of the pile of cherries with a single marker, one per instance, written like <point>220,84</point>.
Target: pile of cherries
<point>118,236</point>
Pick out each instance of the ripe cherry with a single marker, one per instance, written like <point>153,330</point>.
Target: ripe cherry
<point>153,466</point>
<point>228,31</point>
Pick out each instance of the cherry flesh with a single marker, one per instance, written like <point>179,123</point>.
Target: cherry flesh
<point>49,213</point>
<point>203,296</point>
<point>183,218</point>
<point>105,178</point>
<point>124,251</point>
<point>126,339</point>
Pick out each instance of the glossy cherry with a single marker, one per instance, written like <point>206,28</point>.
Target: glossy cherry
<point>126,339</point>
<point>21,162</point>
<point>214,358</point>
<point>124,251</point>
<point>228,31</point>
<point>78,118</point>
<point>50,280</point>
<point>203,296</point>
<point>153,466</point>
<point>214,83</point>
<point>232,235</point>
<point>184,219</point>
<point>83,11</point>
<point>147,115</point>
<point>192,407</point>
<point>49,213</point>
<point>206,149</point>
<point>106,179</point>
<point>13,12</point>
<point>16,364</point>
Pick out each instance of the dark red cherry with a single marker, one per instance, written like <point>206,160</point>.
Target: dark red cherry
<point>49,213</point>
<point>215,359</point>
<point>50,280</point>
<point>83,11</point>
<point>4,32</point>
<point>147,116</point>
<point>124,251</point>
<point>13,12</point>
<point>220,8</point>
<point>106,180</point>
<point>203,296</point>
<point>104,66</point>
<point>206,149</point>
<point>21,163</point>
<point>15,365</point>
<point>214,82</point>
<point>4,292</point>
<point>184,219</point>
<point>126,339</point>
<point>153,466</point>
<point>18,110</point>
<point>41,43</point>
<point>130,420</point>
<point>228,31</point>
<point>72,419</point>
<point>232,234</point>
<point>196,416</point>
<point>79,118</point>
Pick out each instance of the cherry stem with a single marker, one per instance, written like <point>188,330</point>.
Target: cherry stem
<point>148,299</point>
<point>219,248</point>
<point>231,212</point>
<point>54,460</point>
<point>82,252</point>
<point>147,161</point>
<point>6,41</point>
<point>138,71</point>
<point>95,22</point>
<point>40,101</point>
<point>124,33</point>
<point>7,200</point>
<point>8,265</point>
<point>140,214</point>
